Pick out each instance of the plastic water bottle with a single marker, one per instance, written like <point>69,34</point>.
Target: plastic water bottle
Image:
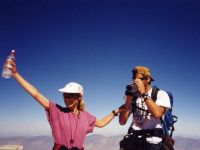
<point>6,73</point>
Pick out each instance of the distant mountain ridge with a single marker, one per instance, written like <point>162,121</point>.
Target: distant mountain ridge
<point>92,142</point>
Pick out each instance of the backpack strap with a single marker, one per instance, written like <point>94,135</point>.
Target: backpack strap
<point>154,93</point>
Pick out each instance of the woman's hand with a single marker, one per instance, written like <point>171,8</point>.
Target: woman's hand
<point>11,66</point>
<point>118,110</point>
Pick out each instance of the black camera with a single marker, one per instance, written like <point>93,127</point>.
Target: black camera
<point>131,90</point>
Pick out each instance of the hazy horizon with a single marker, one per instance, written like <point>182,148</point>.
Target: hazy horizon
<point>92,142</point>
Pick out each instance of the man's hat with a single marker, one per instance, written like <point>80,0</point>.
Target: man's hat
<point>142,70</point>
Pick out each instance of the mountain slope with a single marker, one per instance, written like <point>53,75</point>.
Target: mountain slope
<point>92,142</point>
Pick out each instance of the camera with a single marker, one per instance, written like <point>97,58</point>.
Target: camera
<point>132,90</point>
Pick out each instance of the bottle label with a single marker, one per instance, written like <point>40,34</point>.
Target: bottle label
<point>6,73</point>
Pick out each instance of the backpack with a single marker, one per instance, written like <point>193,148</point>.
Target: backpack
<point>169,119</point>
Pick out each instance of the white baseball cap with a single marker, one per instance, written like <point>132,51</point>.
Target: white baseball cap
<point>72,87</point>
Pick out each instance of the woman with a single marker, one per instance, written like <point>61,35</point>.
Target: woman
<point>69,125</point>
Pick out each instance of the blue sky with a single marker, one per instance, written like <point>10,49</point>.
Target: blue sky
<point>97,43</point>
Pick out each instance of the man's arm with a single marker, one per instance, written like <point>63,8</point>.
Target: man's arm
<point>125,113</point>
<point>156,110</point>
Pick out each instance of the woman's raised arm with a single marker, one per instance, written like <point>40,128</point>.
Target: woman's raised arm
<point>30,89</point>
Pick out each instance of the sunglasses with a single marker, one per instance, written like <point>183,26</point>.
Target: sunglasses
<point>143,78</point>
<point>71,95</point>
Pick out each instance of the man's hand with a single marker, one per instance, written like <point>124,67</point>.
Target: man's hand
<point>140,85</point>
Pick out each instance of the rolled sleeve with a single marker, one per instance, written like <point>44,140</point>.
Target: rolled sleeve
<point>91,122</point>
<point>52,112</point>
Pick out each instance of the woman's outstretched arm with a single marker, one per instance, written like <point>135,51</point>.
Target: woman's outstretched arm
<point>30,89</point>
<point>104,121</point>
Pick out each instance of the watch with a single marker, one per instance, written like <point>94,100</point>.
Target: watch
<point>114,113</point>
<point>145,96</point>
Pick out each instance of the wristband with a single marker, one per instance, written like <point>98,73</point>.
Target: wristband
<point>114,113</point>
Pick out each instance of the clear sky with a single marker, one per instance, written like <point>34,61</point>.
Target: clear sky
<point>97,43</point>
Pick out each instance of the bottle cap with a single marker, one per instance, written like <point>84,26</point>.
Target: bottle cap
<point>12,52</point>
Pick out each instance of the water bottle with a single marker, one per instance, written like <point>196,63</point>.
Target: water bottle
<point>6,73</point>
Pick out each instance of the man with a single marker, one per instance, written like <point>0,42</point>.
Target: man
<point>145,132</point>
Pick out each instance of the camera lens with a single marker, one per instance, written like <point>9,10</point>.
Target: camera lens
<point>131,90</point>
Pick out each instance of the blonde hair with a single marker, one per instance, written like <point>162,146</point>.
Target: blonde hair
<point>81,105</point>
